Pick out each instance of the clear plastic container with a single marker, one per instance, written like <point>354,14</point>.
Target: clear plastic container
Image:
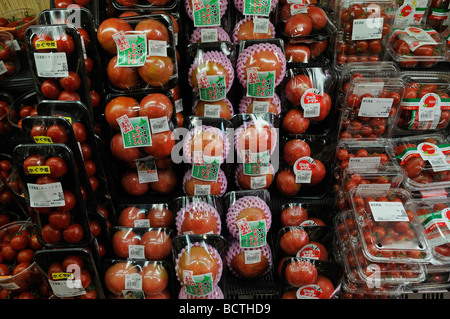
<point>370,107</point>
<point>411,12</point>
<point>425,106</point>
<point>416,46</point>
<point>362,30</point>
<point>388,233</point>
<point>424,160</point>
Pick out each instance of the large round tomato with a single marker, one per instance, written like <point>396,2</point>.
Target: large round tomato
<point>107,29</point>
<point>296,87</point>
<point>116,275</point>
<point>294,149</point>
<point>299,24</point>
<point>286,184</point>
<point>248,270</point>
<point>156,71</point>
<point>162,144</point>
<point>326,286</point>
<point>119,106</point>
<point>318,17</point>
<point>129,215</point>
<point>200,261</point>
<point>121,241</point>
<point>167,181</point>
<point>132,186</point>
<point>255,138</point>
<point>293,215</point>
<point>200,222</point>
<point>160,217</point>
<point>293,240</point>
<point>201,107</point>
<point>122,153</point>
<point>297,53</point>
<point>325,108</point>
<point>318,173</point>
<point>246,32</point>
<point>301,272</point>
<point>294,122</point>
<point>122,77</point>
<point>156,105</point>
<point>155,278</point>
<point>157,244</point>
<point>154,29</point>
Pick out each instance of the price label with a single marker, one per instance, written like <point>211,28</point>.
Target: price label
<point>304,167</point>
<point>62,289</point>
<point>257,7</point>
<point>51,65</point>
<point>252,256</point>
<point>258,182</point>
<point>367,29</point>
<point>375,107</point>
<point>46,195</point>
<point>254,235</point>
<point>202,190</point>
<point>3,68</point>
<point>159,125</point>
<point>135,53</point>
<point>260,84</point>
<point>373,189</point>
<point>206,13</point>
<point>309,292</point>
<point>388,212</point>
<point>311,101</point>
<point>364,163</point>
<point>42,139</point>
<point>157,48</point>
<point>133,282</point>
<point>209,35</point>
<point>136,251</point>
<point>260,25</point>
<point>212,110</point>
<point>260,107</point>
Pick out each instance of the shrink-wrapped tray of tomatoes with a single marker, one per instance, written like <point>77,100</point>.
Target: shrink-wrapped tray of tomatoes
<point>370,107</point>
<point>424,159</point>
<point>54,195</point>
<point>416,46</point>
<point>425,106</point>
<point>362,30</point>
<point>145,215</point>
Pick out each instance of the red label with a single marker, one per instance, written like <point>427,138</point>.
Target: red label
<point>243,226</point>
<point>309,251</point>
<point>309,292</point>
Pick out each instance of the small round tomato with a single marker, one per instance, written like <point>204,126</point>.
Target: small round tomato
<point>286,184</point>
<point>297,53</point>
<point>59,220</point>
<point>65,43</point>
<point>73,234</point>
<point>58,166</point>
<point>50,234</point>
<point>50,89</point>
<point>318,17</point>
<point>58,134</point>
<point>71,83</point>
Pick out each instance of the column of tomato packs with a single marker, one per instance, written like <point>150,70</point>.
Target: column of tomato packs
<point>383,178</point>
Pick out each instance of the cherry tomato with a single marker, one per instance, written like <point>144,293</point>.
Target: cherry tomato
<point>58,166</point>
<point>50,89</point>
<point>73,234</point>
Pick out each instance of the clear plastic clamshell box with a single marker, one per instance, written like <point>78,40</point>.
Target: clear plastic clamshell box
<point>362,271</point>
<point>433,214</point>
<point>388,232</point>
<point>425,106</point>
<point>424,159</point>
<point>416,46</point>
<point>412,12</point>
<point>362,30</point>
<point>370,107</point>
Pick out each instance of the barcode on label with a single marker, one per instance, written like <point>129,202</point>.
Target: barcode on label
<point>257,182</point>
<point>426,115</point>
<point>157,48</point>
<point>312,112</point>
<point>260,25</point>
<point>303,176</point>
<point>212,110</point>
<point>136,251</point>
<point>202,190</point>
<point>252,256</point>
<point>133,282</point>
<point>159,125</point>
<point>209,35</point>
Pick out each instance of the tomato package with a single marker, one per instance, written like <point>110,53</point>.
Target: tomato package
<point>248,263</point>
<point>308,100</point>
<point>301,23</point>
<point>425,104</point>
<point>303,213</point>
<point>70,273</point>
<point>72,6</point>
<point>44,130</point>
<point>53,193</point>
<point>309,278</point>
<point>412,12</point>
<point>16,22</point>
<point>19,244</point>
<point>198,215</point>
<point>82,19</point>
<point>82,125</point>
<point>436,279</point>
<point>6,105</point>
<point>154,243</point>
<point>140,53</point>
<point>387,231</point>
<point>362,31</point>
<point>57,63</point>
<point>24,105</point>
<point>145,215</point>
<point>423,159</point>
<point>353,70</point>
<point>297,53</point>
<point>432,214</point>
<point>260,67</point>
<point>416,46</point>
<point>199,278</point>
<point>371,107</point>
<point>9,60</point>
<point>305,167</point>
<point>248,217</point>
<point>392,278</point>
<point>208,13</point>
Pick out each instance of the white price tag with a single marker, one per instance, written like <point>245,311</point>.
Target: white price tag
<point>209,35</point>
<point>159,125</point>
<point>375,107</point>
<point>179,105</point>
<point>260,25</point>
<point>373,189</point>
<point>136,251</point>
<point>3,68</point>
<point>367,29</point>
<point>142,223</point>
<point>212,110</point>
<point>303,176</point>
<point>147,171</point>
<point>51,65</point>
<point>16,45</point>
<point>202,190</point>
<point>364,163</point>
<point>372,88</point>
<point>258,182</point>
<point>64,288</point>
<point>157,48</point>
<point>388,212</point>
<point>252,256</point>
<point>261,106</point>
<point>46,195</point>
<point>133,282</point>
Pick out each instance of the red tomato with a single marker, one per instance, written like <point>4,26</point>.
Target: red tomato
<point>297,53</point>
<point>414,166</point>
<point>59,220</point>
<point>71,83</point>
<point>293,240</point>
<point>424,50</point>
<point>167,181</point>
<point>128,216</point>
<point>72,261</point>
<point>318,17</point>
<point>294,122</point>
<point>199,109</point>
<point>245,181</point>
<point>58,166</point>
<point>33,160</point>
<point>69,96</point>
<point>317,48</point>
<point>293,215</point>
<point>245,32</point>
<point>160,217</point>
<point>325,108</point>
<point>286,184</point>
<point>200,261</point>
<point>296,87</point>
<point>73,234</point>
<point>121,153</point>
<point>65,43</point>
<point>199,222</point>
<point>155,278</point>
<point>154,29</point>
<point>116,274</point>
<point>156,105</point>
<point>80,132</point>
<point>300,273</point>
<point>25,255</point>
<point>326,285</point>
<point>248,270</point>
<point>299,24</point>
<point>157,244</point>
<point>86,151</point>
<point>70,201</point>
<point>122,77</point>
<point>156,71</point>
<point>121,241</point>
<point>294,149</point>
<point>131,185</point>
<point>318,173</point>
<point>50,89</point>
<point>107,29</point>
<point>19,242</point>
<point>50,234</point>
<point>401,47</point>
<point>119,106</point>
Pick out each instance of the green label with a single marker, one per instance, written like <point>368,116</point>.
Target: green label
<point>260,84</point>
<point>139,135</point>
<point>134,53</point>
<point>253,234</point>
<point>256,163</point>
<point>257,7</point>
<point>198,285</point>
<point>206,12</point>
<point>212,87</point>
<point>206,168</point>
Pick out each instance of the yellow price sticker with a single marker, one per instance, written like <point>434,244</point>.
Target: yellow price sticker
<point>39,169</point>
<point>43,139</point>
<point>42,45</point>
<point>62,275</point>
